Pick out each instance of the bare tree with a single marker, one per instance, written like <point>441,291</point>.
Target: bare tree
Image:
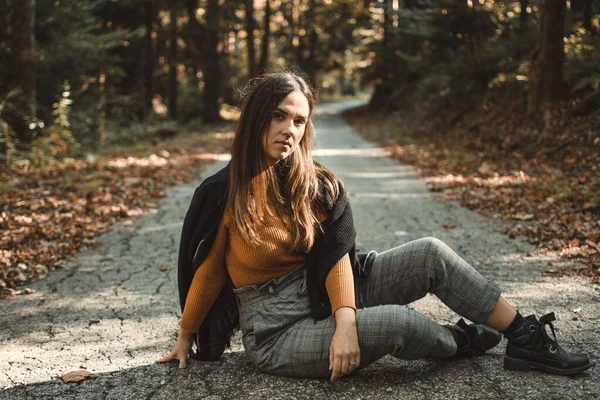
<point>211,62</point>
<point>149,18</point>
<point>250,26</point>
<point>587,15</point>
<point>313,37</point>
<point>173,60</point>
<point>264,55</point>
<point>25,63</point>
<point>546,79</point>
<point>193,37</point>
<point>288,9</point>
<point>524,15</point>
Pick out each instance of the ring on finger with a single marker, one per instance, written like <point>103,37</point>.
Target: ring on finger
<point>352,364</point>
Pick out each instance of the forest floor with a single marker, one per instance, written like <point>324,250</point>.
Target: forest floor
<point>51,212</point>
<point>546,183</point>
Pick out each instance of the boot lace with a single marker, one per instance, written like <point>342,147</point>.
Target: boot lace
<point>547,342</point>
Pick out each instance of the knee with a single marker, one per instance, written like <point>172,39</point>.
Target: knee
<point>391,321</point>
<point>435,251</point>
<point>392,329</point>
<point>436,255</point>
<point>433,245</point>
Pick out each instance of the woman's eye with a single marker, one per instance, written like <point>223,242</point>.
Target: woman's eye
<point>277,117</point>
<point>299,122</point>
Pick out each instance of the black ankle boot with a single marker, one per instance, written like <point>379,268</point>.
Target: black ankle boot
<point>474,339</point>
<point>530,347</point>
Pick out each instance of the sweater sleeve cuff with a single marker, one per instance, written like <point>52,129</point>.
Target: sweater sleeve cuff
<point>340,285</point>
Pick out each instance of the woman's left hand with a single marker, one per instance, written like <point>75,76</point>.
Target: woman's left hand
<point>344,351</point>
<point>181,349</point>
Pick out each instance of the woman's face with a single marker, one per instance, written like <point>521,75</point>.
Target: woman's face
<point>287,126</point>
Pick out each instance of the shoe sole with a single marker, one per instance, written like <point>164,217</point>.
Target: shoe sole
<point>514,364</point>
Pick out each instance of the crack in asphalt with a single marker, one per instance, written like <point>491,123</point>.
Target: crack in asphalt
<point>492,383</point>
<point>8,376</point>
<point>107,356</point>
<point>159,287</point>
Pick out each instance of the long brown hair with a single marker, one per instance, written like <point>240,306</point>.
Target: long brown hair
<point>291,185</point>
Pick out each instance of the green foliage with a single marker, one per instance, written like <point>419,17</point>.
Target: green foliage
<point>8,138</point>
<point>445,54</point>
<point>582,60</point>
<point>190,103</point>
<point>72,46</point>
<point>56,142</point>
<point>437,52</point>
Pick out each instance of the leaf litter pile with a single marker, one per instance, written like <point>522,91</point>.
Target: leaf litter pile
<point>49,214</point>
<point>546,185</point>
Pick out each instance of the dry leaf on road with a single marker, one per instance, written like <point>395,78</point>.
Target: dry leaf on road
<point>76,376</point>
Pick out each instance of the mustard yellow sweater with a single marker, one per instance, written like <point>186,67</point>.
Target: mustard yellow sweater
<point>250,265</point>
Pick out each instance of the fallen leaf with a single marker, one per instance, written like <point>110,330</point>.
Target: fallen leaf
<point>485,168</point>
<point>76,376</point>
<point>590,205</point>
<point>523,217</point>
<point>448,224</point>
<point>593,245</point>
<point>164,268</point>
<point>29,291</point>
<point>134,181</point>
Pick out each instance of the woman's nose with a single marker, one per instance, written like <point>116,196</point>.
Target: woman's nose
<point>288,130</point>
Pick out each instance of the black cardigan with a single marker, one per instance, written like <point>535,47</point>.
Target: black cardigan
<point>200,227</point>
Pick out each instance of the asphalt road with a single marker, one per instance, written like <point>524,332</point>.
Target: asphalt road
<point>114,313</point>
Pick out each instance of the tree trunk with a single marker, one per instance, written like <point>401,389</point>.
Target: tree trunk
<point>288,13</point>
<point>173,60</point>
<point>387,33</point>
<point>381,92</point>
<point>227,91</point>
<point>250,25</point>
<point>587,15</point>
<point>148,55</point>
<point>524,15</point>
<point>193,41</point>
<point>25,65</point>
<point>102,111</point>
<point>264,55</point>
<point>211,62</point>
<point>546,83</point>
<point>313,37</point>
<point>577,5</point>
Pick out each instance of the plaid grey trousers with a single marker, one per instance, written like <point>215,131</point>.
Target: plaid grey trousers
<point>281,337</point>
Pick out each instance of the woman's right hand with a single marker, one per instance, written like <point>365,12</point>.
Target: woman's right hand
<point>181,349</point>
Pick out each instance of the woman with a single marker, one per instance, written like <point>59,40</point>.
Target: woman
<point>269,242</point>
